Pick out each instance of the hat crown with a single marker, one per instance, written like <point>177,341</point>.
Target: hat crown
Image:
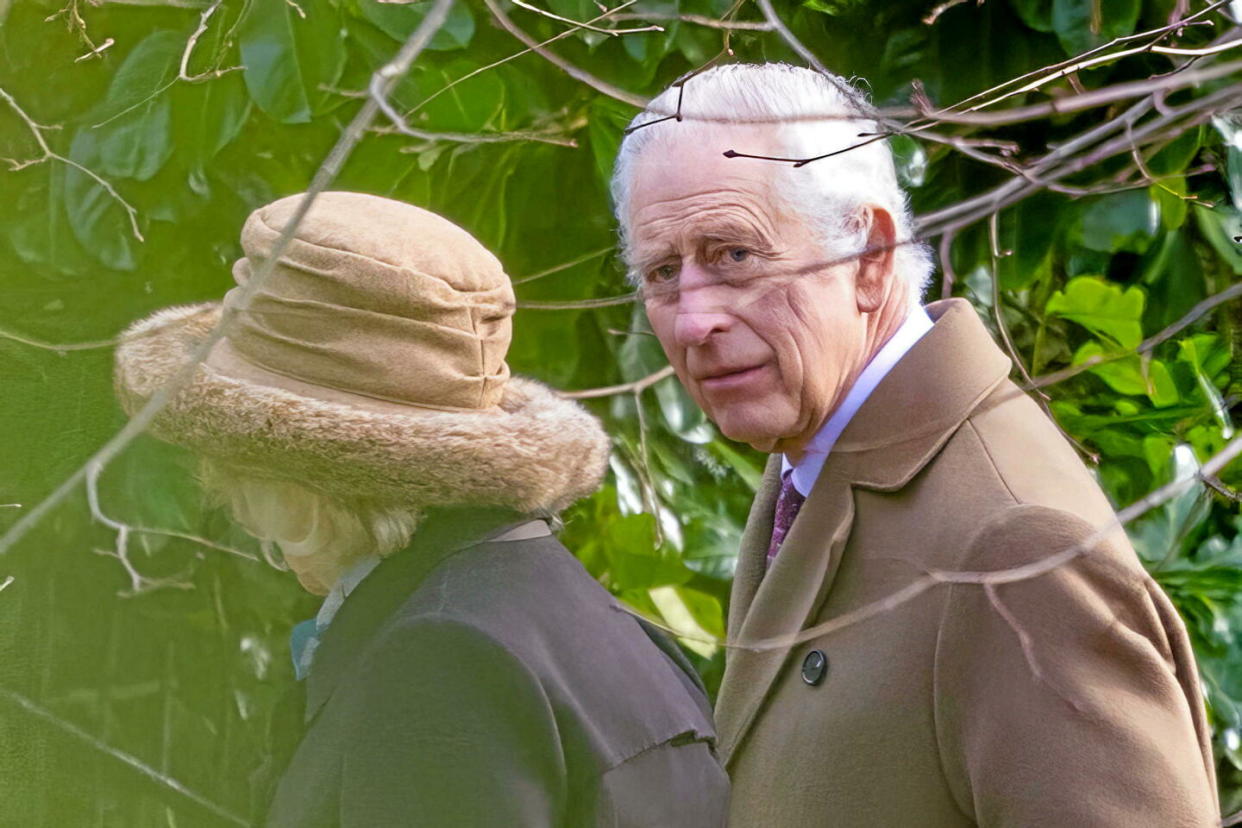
<point>377,298</point>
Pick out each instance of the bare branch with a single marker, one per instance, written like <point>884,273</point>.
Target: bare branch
<point>127,759</point>
<point>385,78</point>
<point>636,387</point>
<point>36,130</point>
<point>578,24</point>
<point>59,348</point>
<point>184,70</point>
<point>700,20</point>
<point>579,304</point>
<point>586,257</point>
<point>565,66</point>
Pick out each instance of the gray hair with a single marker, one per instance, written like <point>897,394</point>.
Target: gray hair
<point>813,114</point>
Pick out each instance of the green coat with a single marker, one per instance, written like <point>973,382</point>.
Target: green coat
<point>1063,700</point>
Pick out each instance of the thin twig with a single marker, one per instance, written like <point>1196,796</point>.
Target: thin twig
<point>36,129</point>
<point>327,172</point>
<point>578,24</point>
<point>579,304</point>
<point>556,60</point>
<point>636,387</point>
<point>128,759</point>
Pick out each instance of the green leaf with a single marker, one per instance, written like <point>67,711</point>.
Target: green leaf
<point>1084,24</point>
<point>1102,308</point>
<point>1175,156</point>
<point>289,57</point>
<point>97,220</point>
<point>1222,227</point>
<point>1229,125</point>
<point>399,20</point>
<point>134,138</point>
<point>607,120</point>
<point>1168,196</point>
<point>1128,375</point>
<point>1034,13</point>
<point>1120,221</point>
<point>1207,358</point>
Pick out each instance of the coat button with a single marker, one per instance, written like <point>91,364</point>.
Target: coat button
<point>814,667</point>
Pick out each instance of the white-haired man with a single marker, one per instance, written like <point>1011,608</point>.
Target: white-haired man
<point>788,301</point>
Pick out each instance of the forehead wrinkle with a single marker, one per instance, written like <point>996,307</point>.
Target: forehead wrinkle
<point>682,222</point>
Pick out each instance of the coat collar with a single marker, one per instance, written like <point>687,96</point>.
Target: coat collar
<point>443,533</point>
<point>903,424</point>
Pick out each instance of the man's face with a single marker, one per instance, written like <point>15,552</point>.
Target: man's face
<point>762,328</point>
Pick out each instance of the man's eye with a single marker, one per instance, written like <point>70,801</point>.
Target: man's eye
<point>738,254</point>
<point>663,273</point>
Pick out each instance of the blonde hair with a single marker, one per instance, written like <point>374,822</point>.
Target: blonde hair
<point>333,532</point>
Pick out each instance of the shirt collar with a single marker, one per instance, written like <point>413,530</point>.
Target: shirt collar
<point>806,471</point>
<point>345,584</point>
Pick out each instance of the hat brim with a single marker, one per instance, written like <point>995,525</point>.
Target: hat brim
<point>534,451</point>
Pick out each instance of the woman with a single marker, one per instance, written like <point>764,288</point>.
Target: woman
<point>464,670</point>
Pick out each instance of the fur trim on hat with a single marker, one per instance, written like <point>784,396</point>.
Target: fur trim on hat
<point>534,452</point>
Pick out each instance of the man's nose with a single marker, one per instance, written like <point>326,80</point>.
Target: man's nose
<point>700,312</point>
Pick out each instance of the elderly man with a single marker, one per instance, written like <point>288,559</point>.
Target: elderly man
<point>787,300</point>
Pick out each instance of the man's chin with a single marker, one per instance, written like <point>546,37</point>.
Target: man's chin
<point>753,431</point>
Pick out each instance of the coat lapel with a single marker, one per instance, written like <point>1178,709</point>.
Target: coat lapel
<point>787,597</point>
<point>901,426</point>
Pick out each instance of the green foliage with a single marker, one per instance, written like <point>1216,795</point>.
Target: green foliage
<point>187,679</point>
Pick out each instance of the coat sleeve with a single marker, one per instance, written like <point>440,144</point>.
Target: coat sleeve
<point>1070,698</point>
<point>452,729</point>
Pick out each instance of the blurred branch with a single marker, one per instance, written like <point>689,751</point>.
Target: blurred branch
<point>1010,575</point>
<point>559,139</point>
<point>36,129</point>
<point>581,75</point>
<point>586,257</point>
<point>701,20</point>
<point>127,759</point>
<point>382,83</point>
<point>51,346</point>
<point>578,24</point>
<point>580,304</point>
<point>636,387</point>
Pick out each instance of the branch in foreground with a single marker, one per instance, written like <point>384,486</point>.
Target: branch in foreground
<point>989,578</point>
<point>636,387</point>
<point>565,66</point>
<point>130,760</point>
<point>383,81</point>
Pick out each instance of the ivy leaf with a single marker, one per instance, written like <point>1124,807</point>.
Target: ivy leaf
<point>1084,24</point>
<point>97,220</point>
<point>1102,308</point>
<point>1121,221</point>
<point>1036,14</point>
<point>289,56</point>
<point>399,20</point>
<point>134,139</point>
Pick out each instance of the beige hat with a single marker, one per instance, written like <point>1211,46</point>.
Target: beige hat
<point>370,363</point>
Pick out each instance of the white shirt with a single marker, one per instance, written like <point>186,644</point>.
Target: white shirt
<point>806,471</point>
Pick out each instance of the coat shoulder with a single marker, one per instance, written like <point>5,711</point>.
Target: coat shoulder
<point>616,691</point>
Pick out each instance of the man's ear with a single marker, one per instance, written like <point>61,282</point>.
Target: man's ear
<point>875,265</point>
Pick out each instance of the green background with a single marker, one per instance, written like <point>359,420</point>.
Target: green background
<point>181,664</point>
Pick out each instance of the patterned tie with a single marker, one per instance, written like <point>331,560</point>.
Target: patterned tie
<point>788,502</point>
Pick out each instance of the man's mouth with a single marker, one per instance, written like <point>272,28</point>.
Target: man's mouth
<point>729,379</point>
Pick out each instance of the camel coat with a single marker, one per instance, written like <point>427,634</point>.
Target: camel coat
<point>1063,700</point>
